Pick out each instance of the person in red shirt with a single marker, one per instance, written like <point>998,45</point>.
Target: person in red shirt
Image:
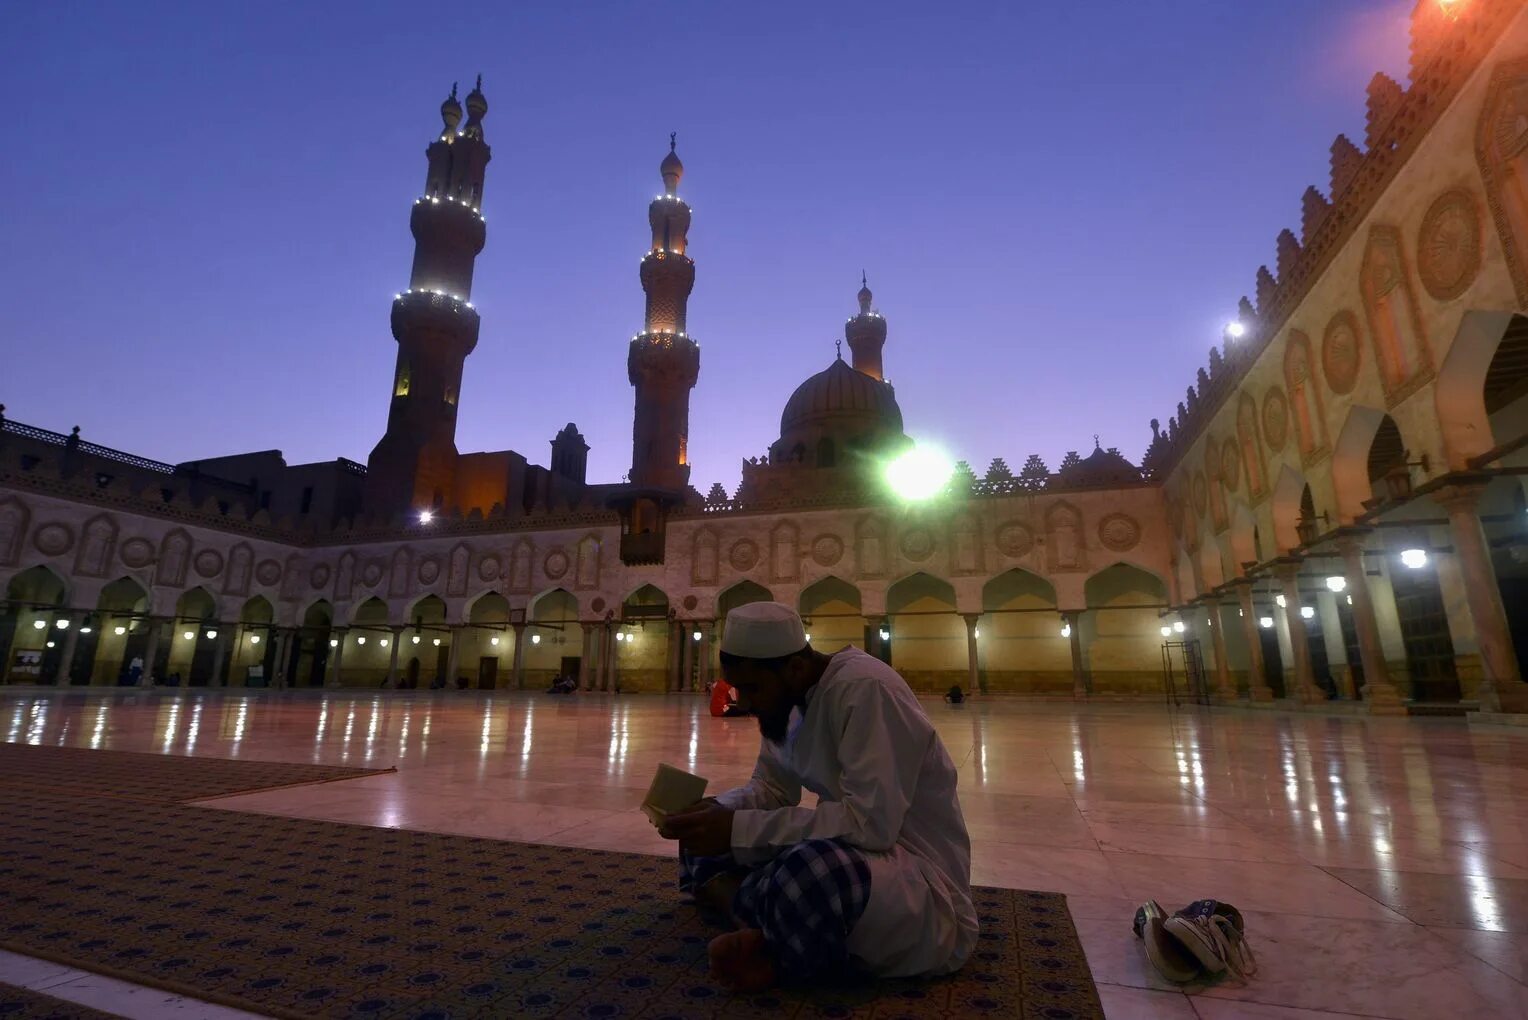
<point>724,700</point>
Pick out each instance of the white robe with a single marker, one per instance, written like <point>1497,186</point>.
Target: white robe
<point>886,785</point>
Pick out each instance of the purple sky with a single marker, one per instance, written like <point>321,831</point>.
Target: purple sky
<point>1058,205</point>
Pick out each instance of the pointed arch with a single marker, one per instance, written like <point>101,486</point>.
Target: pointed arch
<point>1249,440</point>
<point>257,610</point>
<point>1460,392</point>
<point>196,604</point>
<point>1352,471</point>
<point>429,607</point>
<point>825,591</point>
<point>39,585</point>
<point>1124,582</point>
<point>1018,587</point>
<point>491,607</point>
<point>741,594</point>
<point>916,587</point>
<point>1395,319</point>
<point>1288,494</point>
<point>371,612</point>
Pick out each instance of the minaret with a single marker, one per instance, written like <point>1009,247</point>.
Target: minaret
<point>866,333</point>
<point>663,362</point>
<point>413,467</point>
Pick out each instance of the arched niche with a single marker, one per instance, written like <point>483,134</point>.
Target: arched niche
<point>831,609</point>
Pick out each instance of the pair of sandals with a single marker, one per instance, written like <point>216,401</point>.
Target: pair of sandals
<point>1205,938</point>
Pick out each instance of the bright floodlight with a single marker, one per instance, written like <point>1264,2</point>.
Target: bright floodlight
<point>1267,622</point>
<point>1416,559</point>
<point>1179,626</point>
<point>1235,330</point>
<point>426,516</point>
<point>1167,631</point>
<point>1307,612</point>
<point>1066,630</point>
<point>1337,582</point>
<point>919,474</point>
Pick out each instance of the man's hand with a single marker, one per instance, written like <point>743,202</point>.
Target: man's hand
<point>704,832</point>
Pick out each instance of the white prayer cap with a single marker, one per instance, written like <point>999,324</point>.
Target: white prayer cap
<point>763,630</point>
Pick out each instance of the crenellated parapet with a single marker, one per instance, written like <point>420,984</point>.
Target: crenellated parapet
<point>1447,47</point>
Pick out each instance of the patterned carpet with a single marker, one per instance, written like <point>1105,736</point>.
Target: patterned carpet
<point>297,918</point>
<point>24,1004</point>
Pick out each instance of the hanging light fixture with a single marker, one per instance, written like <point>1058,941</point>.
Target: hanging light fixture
<point>1337,583</point>
<point>1307,612</point>
<point>1266,622</point>
<point>1416,559</point>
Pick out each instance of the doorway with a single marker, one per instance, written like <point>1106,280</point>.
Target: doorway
<point>1424,632</point>
<point>488,672</point>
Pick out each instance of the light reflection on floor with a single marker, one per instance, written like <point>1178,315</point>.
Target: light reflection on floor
<point>1382,864</point>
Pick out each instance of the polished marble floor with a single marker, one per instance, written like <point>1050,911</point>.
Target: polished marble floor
<point>1382,864</point>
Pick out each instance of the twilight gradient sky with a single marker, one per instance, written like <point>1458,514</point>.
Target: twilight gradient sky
<point>1058,205</point>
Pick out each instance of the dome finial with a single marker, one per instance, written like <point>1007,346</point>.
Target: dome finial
<point>671,168</point>
<point>450,113</point>
<point>1096,444</point>
<point>477,108</point>
<point>864,295</point>
<point>838,346</point>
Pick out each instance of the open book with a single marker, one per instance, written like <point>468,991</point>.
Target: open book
<point>672,790</point>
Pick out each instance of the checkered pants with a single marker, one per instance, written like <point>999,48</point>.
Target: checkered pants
<point>806,902</point>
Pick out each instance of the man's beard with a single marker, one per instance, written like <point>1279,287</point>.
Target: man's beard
<point>774,728</point>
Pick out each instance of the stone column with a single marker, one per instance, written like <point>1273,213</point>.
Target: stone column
<point>219,655</point>
<point>1288,573</point>
<point>281,638</point>
<point>707,631</point>
<point>392,659</point>
<point>1336,649</point>
<point>1498,660</point>
<point>453,656</point>
<point>611,681</point>
<point>686,657</point>
<point>71,641</point>
<point>517,663</point>
<point>973,665</point>
<point>1257,679</point>
<point>586,663</point>
<point>1082,684</point>
<point>1379,690</point>
<point>1225,687</point>
<point>877,646</point>
<point>150,652</point>
<point>337,661</point>
<point>670,657</point>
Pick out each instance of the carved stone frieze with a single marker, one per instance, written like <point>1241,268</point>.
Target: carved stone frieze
<point>744,554</point>
<point>785,552</point>
<point>1201,493</point>
<point>827,549</point>
<point>241,567</point>
<point>371,573</point>
<point>53,539</point>
<point>136,553</point>
<point>488,568</point>
<point>1121,532</point>
<point>1064,538</point>
<point>1015,539</point>
<point>319,575</point>
<point>917,543</point>
<point>14,516</point>
<point>456,572</point>
<point>1230,465</point>
<point>98,544</point>
<point>586,563</point>
<point>268,573</point>
<point>555,565</point>
<point>1449,245</point>
<point>1341,353</point>
<point>704,558</point>
<point>429,570</point>
<point>207,563</point>
<point>1275,418</point>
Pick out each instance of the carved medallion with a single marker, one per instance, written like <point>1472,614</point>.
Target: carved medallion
<point>1015,539</point>
<point>268,573</point>
<point>598,605</point>
<point>1201,493</point>
<point>371,574</point>
<point>1448,245</point>
<point>1230,465</point>
<point>917,543</point>
<point>207,563</point>
<point>429,570</point>
<point>488,568</point>
<point>1341,353</point>
<point>555,565</point>
<point>827,550</point>
<point>319,575</point>
<point>1119,532</point>
<point>53,539</point>
<point>690,602</point>
<point>743,554</point>
<point>137,552</point>
<point>1275,419</point>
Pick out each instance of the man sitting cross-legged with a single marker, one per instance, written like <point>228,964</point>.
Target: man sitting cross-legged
<point>877,876</point>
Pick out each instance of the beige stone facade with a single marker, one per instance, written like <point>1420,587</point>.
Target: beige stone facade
<point>1376,406</point>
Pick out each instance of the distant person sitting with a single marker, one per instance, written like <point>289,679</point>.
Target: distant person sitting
<point>724,701</point>
<point>955,695</point>
<point>563,685</point>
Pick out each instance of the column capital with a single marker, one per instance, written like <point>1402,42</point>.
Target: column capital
<point>1461,496</point>
<point>1351,538</point>
<point>1287,568</point>
<point>972,619</point>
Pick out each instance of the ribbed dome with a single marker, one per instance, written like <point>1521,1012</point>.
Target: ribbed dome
<point>1101,467</point>
<point>839,393</point>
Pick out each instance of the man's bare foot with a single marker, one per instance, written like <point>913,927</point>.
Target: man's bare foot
<point>740,961</point>
<point>715,897</point>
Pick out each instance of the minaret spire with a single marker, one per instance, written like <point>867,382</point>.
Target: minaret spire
<point>663,362</point>
<point>413,466</point>
<point>866,333</point>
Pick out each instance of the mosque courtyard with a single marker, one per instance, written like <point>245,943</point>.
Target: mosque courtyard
<point>1382,864</point>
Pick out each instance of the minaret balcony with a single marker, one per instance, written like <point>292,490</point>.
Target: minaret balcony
<point>437,310</point>
<point>666,356</point>
<point>448,219</point>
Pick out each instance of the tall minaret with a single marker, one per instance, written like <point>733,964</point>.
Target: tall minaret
<point>413,467</point>
<point>866,333</point>
<point>663,361</point>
